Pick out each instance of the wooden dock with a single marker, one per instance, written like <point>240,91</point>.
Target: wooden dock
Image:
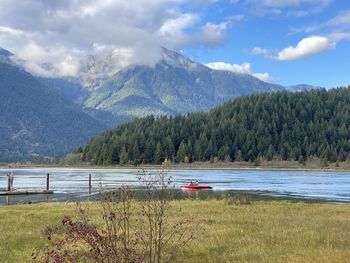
<point>11,191</point>
<point>28,192</point>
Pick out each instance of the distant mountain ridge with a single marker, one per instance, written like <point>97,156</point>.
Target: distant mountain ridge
<point>175,85</point>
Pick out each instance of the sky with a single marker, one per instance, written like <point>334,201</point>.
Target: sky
<point>279,41</point>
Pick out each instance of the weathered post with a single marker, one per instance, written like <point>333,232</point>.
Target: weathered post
<point>47,182</point>
<point>90,184</point>
<point>8,182</point>
<point>11,181</point>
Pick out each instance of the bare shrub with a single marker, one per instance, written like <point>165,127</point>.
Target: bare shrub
<point>161,234</point>
<point>128,230</point>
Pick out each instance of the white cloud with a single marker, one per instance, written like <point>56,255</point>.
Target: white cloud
<point>261,51</point>
<point>279,3</point>
<point>235,18</point>
<point>213,34</point>
<point>342,18</point>
<point>264,77</point>
<point>340,22</point>
<point>78,27</point>
<point>307,12</point>
<point>338,36</point>
<point>172,29</point>
<point>293,7</point>
<point>49,62</point>
<point>244,68</point>
<point>291,3</point>
<point>306,47</point>
<point>4,29</point>
<point>173,32</point>
<point>68,67</point>
<point>261,11</point>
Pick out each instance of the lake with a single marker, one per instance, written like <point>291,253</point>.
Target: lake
<point>72,183</point>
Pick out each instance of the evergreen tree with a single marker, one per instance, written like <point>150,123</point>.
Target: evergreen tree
<point>135,153</point>
<point>124,159</point>
<point>158,154</point>
<point>270,153</point>
<point>181,152</point>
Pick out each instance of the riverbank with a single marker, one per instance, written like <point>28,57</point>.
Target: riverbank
<point>262,231</point>
<point>271,165</point>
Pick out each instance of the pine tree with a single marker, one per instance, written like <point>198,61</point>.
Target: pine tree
<point>197,153</point>
<point>135,153</point>
<point>123,157</point>
<point>270,153</point>
<point>158,154</point>
<point>238,156</point>
<point>181,153</point>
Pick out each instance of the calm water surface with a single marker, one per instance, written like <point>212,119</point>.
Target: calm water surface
<point>71,184</point>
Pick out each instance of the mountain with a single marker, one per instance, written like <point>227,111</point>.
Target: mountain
<point>74,92</point>
<point>52,116</point>
<point>289,126</point>
<point>36,120</point>
<point>175,85</point>
<point>71,89</point>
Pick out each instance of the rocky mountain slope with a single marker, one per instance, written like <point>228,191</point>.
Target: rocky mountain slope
<point>175,85</point>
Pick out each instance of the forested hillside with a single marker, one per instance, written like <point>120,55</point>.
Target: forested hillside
<point>290,126</point>
<point>36,121</point>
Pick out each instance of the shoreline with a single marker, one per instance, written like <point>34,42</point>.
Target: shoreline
<point>178,195</point>
<point>192,166</point>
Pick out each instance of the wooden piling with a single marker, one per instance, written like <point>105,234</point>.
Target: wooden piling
<point>47,182</point>
<point>9,182</point>
<point>90,184</point>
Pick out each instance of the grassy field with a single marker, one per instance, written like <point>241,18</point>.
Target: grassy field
<point>264,231</point>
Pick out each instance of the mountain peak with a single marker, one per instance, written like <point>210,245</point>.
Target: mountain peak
<point>174,58</point>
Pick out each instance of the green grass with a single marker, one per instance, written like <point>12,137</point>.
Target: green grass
<point>265,231</point>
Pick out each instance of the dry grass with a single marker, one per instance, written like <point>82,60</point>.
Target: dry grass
<point>235,231</point>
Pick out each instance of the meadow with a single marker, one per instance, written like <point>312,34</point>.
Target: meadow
<point>261,231</point>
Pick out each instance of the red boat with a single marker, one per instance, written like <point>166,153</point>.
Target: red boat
<point>196,187</point>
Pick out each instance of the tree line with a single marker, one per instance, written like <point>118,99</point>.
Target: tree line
<point>288,126</point>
